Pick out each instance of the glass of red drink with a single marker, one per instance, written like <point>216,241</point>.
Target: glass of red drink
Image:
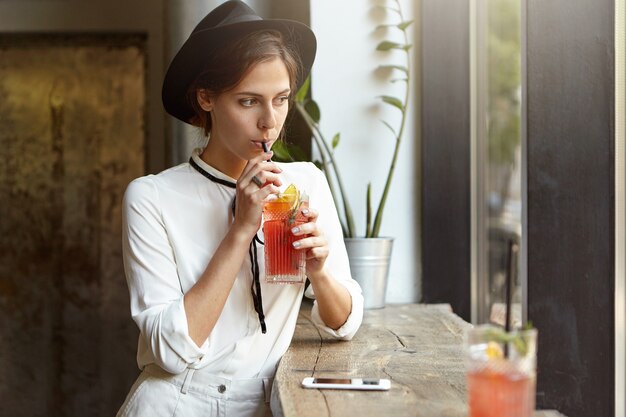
<point>283,263</point>
<point>501,372</point>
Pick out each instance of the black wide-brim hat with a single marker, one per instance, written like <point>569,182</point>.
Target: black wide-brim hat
<point>231,20</point>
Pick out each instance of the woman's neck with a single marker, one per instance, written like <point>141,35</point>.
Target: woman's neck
<point>223,160</point>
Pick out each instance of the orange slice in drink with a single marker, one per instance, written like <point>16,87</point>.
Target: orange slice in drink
<point>291,195</point>
<point>286,203</point>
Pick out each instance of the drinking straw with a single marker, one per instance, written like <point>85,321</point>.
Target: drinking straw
<point>265,149</point>
<point>510,274</point>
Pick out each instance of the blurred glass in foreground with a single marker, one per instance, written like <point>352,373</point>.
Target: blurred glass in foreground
<point>501,371</point>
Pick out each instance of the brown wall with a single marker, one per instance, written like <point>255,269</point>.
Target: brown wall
<point>72,135</point>
<point>80,116</point>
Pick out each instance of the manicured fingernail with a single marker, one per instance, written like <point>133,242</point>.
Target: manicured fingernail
<point>295,230</point>
<point>296,244</point>
<point>305,211</point>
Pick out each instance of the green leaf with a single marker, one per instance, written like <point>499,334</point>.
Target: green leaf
<point>384,26</point>
<point>518,340</point>
<point>520,345</point>
<point>404,25</point>
<point>396,102</point>
<point>281,153</point>
<point>313,110</point>
<point>388,45</point>
<point>298,153</point>
<point>335,141</point>
<point>392,67</point>
<point>303,91</point>
<point>287,152</point>
<point>393,9</point>
<point>390,128</point>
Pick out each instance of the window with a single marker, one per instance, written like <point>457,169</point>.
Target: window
<point>496,93</point>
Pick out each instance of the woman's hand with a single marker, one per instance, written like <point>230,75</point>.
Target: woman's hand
<point>313,242</point>
<point>257,182</point>
<point>333,299</point>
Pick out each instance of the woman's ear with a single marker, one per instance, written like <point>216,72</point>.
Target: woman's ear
<point>204,100</point>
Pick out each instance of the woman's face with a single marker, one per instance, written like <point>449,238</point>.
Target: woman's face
<point>249,114</point>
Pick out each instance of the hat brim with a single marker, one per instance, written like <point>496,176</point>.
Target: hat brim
<point>196,53</point>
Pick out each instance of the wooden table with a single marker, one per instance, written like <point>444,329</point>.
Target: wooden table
<point>418,347</point>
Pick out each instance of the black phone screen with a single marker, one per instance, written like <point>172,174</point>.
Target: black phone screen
<point>346,381</point>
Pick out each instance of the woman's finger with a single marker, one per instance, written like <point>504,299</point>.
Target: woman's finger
<point>310,213</point>
<point>257,181</point>
<point>258,195</point>
<point>264,177</point>
<point>260,175</point>
<point>305,229</point>
<point>317,253</point>
<point>310,242</point>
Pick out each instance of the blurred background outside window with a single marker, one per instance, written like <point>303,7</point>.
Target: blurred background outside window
<point>498,155</point>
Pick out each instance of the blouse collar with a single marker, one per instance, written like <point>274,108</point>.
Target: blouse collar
<point>195,155</point>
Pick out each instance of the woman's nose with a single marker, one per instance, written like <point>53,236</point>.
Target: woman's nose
<point>267,120</point>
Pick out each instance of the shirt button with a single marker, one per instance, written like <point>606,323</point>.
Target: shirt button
<point>221,388</point>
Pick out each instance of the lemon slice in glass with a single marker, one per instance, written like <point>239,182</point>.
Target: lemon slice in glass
<point>290,195</point>
<point>494,351</point>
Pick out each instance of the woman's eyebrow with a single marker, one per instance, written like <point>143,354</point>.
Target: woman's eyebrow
<point>253,94</point>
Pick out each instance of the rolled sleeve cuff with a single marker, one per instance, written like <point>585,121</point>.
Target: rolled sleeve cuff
<point>352,324</point>
<point>178,344</point>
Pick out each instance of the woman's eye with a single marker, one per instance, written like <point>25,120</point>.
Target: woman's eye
<point>247,101</point>
<point>282,99</point>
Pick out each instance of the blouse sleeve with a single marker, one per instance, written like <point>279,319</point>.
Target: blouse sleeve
<point>337,261</point>
<point>156,297</point>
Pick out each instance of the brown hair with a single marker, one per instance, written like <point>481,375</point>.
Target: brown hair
<point>232,62</point>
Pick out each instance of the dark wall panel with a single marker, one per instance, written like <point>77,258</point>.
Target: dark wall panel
<point>570,202</point>
<point>446,153</point>
<point>72,135</point>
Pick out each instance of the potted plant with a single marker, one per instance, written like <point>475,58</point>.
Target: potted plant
<point>370,254</point>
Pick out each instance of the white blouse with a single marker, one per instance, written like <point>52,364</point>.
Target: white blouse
<point>172,224</point>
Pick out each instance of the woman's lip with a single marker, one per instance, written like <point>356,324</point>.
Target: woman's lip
<point>259,143</point>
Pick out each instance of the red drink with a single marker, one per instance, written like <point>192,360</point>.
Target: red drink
<point>501,368</point>
<point>283,263</point>
<point>500,393</point>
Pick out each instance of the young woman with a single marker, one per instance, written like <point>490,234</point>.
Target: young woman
<point>212,331</point>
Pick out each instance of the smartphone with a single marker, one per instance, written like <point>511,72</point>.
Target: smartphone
<point>368,384</point>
